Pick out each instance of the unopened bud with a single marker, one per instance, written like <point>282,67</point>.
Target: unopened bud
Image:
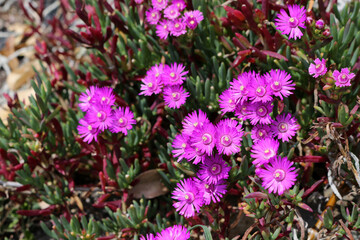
<point>320,24</point>
<point>309,20</point>
<point>326,33</point>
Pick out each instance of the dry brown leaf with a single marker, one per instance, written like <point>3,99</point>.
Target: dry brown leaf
<point>149,185</point>
<point>21,75</point>
<point>8,50</point>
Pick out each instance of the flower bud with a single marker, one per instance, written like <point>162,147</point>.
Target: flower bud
<point>320,24</point>
<point>326,33</point>
<point>309,20</point>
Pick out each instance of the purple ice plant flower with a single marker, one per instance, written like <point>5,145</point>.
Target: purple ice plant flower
<point>105,96</point>
<point>261,113</point>
<point>179,145</point>
<point>177,27</point>
<point>260,132</point>
<point>289,24</point>
<point>122,120</point>
<point>192,120</point>
<point>163,29</point>
<point>319,68</point>
<point>193,18</point>
<point>227,102</point>
<point>171,12</point>
<point>188,196</point>
<point>86,99</point>
<point>99,116</point>
<point>151,85</point>
<point>278,175</point>
<point>213,169</point>
<point>159,4</point>
<point>213,192</point>
<point>156,71</point>
<point>176,232</point>
<point>86,131</point>
<point>244,110</point>
<point>194,155</point>
<point>228,137</point>
<point>259,90</point>
<point>284,127</point>
<point>174,74</point>
<point>280,83</point>
<point>264,150</point>
<point>148,236</point>
<point>239,87</point>
<point>153,16</point>
<point>175,96</point>
<point>180,4</point>
<point>343,78</point>
<point>204,138</point>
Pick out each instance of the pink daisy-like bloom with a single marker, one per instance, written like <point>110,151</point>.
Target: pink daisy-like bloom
<point>259,90</point>
<point>194,155</point>
<point>189,198</point>
<point>105,96</point>
<point>227,102</point>
<point>177,27</point>
<point>319,68</point>
<point>228,137</point>
<point>193,18</point>
<point>148,236</point>
<point>86,99</point>
<point>174,74</point>
<point>180,4</point>
<point>151,85</point>
<point>153,16</point>
<point>159,4</point>
<point>213,192</point>
<point>192,120</point>
<point>343,78</point>
<point>264,150</point>
<point>239,87</point>
<point>284,127</point>
<point>175,96</point>
<point>156,71</point>
<point>99,116</point>
<point>280,83</point>
<point>179,145</point>
<point>86,131</point>
<point>163,29</point>
<point>260,132</point>
<point>176,232</point>
<point>278,175</point>
<point>171,12</point>
<point>122,120</point>
<point>213,169</point>
<point>204,138</point>
<point>290,24</point>
<point>243,110</point>
<point>261,113</point>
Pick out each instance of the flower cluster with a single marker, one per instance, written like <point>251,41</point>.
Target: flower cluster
<point>176,232</point>
<point>102,113</point>
<point>342,78</point>
<point>167,80</point>
<point>289,24</point>
<point>250,97</point>
<point>168,18</point>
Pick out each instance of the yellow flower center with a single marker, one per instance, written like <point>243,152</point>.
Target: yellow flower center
<point>157,74</point>
<point>98,115</point>
<point>230,101</point>
<point>206,186</point>
<point>177,25</point>
<point>241,88</point>
<point>204,138</point>
<point>260,134</point>
<point>173,94</point>
<point>153,14</point>
<point>192,22</point>
<point>103,98</point>
<point>165,26</point>
<point>226,138</point>
<point>89,128</point>
<point>283,126</point>
<point>172,74</point>
<point>277,174</point>
<point>195,124</point>
<point>183,145</point>
<point>343,76</point>
<point>150,84</point>
<point>258,90</point>
<point>186,197</point>
<point>276,83</point>
<point>267,151</point>
<point>172,12</point>
<point>261,110</point>
<point>291,20</point>
<point>121,120</point>
<point>88,98</point>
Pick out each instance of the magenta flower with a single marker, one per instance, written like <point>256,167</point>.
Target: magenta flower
<point>226,102</point>
<point>193,18</point>
<point>180,4</point>
<point>151,85</point>
<point>343,78</point>
<point>163,29</point>
<point>278,175</point>
<point>318,69</point>
<point>239,87</point>
<point>122,120</point>
<point>153,16</point>
<point>284,127</point>
<point>86,99</point>
<point>179,145</point>
<point>213,169</point>
<point>259,90</point>
<point>213,192</point>
<point>148,236</point>
<point>156,71</point>
<point>261,113</point>
<point>159,4</point>
<point>204,138</point>
<point>86,131</point>
<point>192,120</point>
<point>175,96</point>
<point>264,150</point>
<point>244,110</point>
<point>174,74</point>
<point>99,116</point>
<point>228,137</point>
<point>177,27</point>
<point>176,232</point>
<point>189,198</point>
<point>260,132</point>
<point>194,154</point>
<point>104,96</point>
<point>280,83</point>
<point>290,24</point>
<point>171,12</point>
